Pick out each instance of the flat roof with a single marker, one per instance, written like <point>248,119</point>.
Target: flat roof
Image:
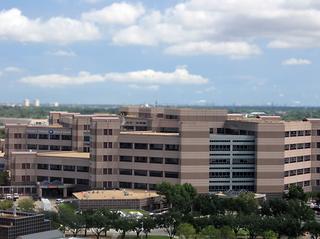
<point>65,154</point>
<point>148,133</point>
<point>115,194</point>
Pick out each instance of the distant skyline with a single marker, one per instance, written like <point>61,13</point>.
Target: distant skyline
<point>192,52</point>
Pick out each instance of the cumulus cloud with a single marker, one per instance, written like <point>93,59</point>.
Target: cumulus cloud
<point>151,78</point>
<point>234,49</point>
<point>296,61</point>
<point>62,53</point>
<point>116,13</point>
<point>12,69</point>
<point>15,26</point>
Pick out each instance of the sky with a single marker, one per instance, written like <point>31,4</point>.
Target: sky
<point>194,52</point>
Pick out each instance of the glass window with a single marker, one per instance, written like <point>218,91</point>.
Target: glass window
<point>171,161</point>
<point>157,160</point>
<point>156,146</point>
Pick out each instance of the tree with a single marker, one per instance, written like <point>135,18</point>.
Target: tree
<point>26,204</point>
<point>227,233</point>
<point>70,219</point>
<point>313,228</point>
<point>210,232</point>
<point>186,230</point>
<point>296,192</point>
<point>270,235</point>
<point>169,222</point>
<point>124,225</point>
<point>246,203</point>
<point>6,204</point>
<point>148,224</point>
<point>4,178</point>
<point>274,207</point>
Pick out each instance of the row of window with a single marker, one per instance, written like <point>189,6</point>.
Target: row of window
<point>297,146</point>
<point>297,172</point>
<point>144,146</point>
<point>297,133</point>
<point>143,159</point>
<point>234,161</point>
<point>225,147</point>
<point>137,185</point>
<point>301,184</point>
<point>297,159</point>
<point>231,131</point>
<point>152,173</point>
<point>49,147</point>
<point>217,188</point>
<point>49,136</point>
<point>58,167</point>
<point>79,181</point>
<point>234,174</point>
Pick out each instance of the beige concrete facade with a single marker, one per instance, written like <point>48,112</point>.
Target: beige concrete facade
<point>144,146</point>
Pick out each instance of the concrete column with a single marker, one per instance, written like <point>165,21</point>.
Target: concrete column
<point>65,192</point>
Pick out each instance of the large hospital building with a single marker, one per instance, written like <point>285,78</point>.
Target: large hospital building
<point>143,146</point>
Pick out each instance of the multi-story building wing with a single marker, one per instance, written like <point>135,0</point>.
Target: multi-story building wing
<point>143,146</point>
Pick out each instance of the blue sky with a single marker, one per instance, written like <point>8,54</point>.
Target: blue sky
<point>199,52</point>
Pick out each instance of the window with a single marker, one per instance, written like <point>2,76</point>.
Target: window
<point>318,157</point>
<point>157,160</point>
<point>82,169</point>
<point>219,174</point>
<point>32,136</point>
<point>140,172</point>
<point>299,171</point>
<point>42,178</point>
<point>293,133</point>
<point>125,185</point>
<point>42,166</point>
<point>306,183</point>
<point>31,146</point>
<point>243,147</point>
<point>140,146</point>
<point>86,149</point>
<point>307,132</point>
<point>86,127</point>
<point>54,147</point>
<point>318,144</point>
<point>307,145</point>
<point>293,172</point>
<point>286,160</point>
<point>17,146</point>
<point>17,136</point>
<point>43,147</point>
<point>123,171</point>
<point>220,147</point>
<point>26,166</point>
<point>55,136</point>
<point>66,148</point>
<point>300,159</point>
<point>306,170</point>
<point>155,173</point>
<point>82,181</point>
<point>307,158</point>
<point>301,133</point>
<point>172,147</point>
<point>219,188</point>
<point>140,185</point>
<point>43,136</point>
<point>242,174</point>
<point>55,167</point>
<point>107,171</point>
<point>66,137</point>
<point>125,145</point>
<point>287,147</point>
<point>243,161</point>
<point>171,116</point>
<point>152,186</point>
<point>25,178</point>
<point>286,173</point>
<point>107,157</point>
<point>287,134</point>
<point>107,131</point>
<point>293,159</point>
<point>300,146</point>
<point>156,146</point>
<point>86,138</point>
<point>293,146</point>
<point>318,132</point>
<point>171,174</point>
<point>140,159</point>
<point>124,158</point>
<point>211,131</point>
<point>69,180</point>
<point>107,145</point>
<point>171,161</point>
<point>107,184</point>
<point>69,168</point>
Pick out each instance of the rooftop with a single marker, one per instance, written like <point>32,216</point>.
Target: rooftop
<point>115,194</point>
<point>148,133</point>
<point>65,154</point>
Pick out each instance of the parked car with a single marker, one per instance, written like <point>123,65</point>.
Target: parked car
<point>59,200</point>
<point>16,196</point>
<point>9,196</point>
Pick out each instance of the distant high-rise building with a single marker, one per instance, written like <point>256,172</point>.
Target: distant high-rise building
<point>37,103</point>
<point>26,103</point>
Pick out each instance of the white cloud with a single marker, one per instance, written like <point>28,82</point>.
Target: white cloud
<point>12,69</point>
<point>150,78</point>
<point>116,13</point>
<point>15,26</point>
<point>62,53</point>
<point>148,87</point>
<point>234,49</point>
<point>296,61</point>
